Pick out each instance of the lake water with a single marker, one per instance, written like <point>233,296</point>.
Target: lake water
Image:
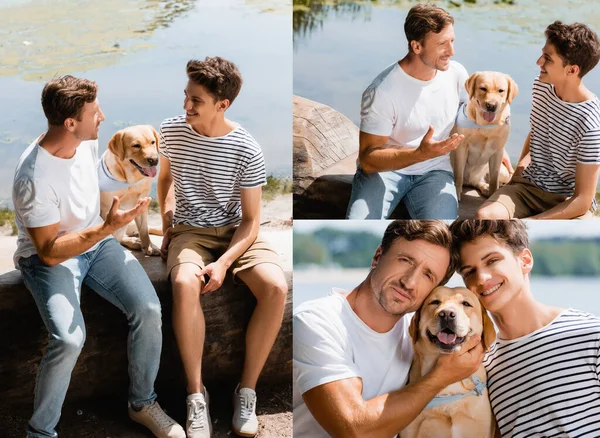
<point>577,293</point>
<point>136,50</point>
<point>339,50</point>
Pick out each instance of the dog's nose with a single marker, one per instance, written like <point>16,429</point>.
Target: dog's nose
<point>447,315</point>
<point>152,161</point>
<point>491,106</point>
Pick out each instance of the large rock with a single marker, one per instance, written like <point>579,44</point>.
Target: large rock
<point>101,370</point>
<point>325,154</point>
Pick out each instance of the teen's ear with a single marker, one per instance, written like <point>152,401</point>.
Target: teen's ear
<point>489,331</point>
<point>116,145</point>
<point>224,104</point>
<point>413,328</point>
<point>526,260</point>
<point>376,257</point>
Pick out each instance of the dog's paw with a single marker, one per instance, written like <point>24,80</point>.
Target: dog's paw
<point>152,250</point>
<point>484,189</point>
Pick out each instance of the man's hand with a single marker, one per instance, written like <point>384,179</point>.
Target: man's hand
<point>116,219</point>
<point>431,149</point>
<point>216,271</point>
<point>455,367</point>
<point>164,248</point>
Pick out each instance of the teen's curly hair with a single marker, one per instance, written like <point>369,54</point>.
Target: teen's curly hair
<point>220,77</point>
<point>576,44</point>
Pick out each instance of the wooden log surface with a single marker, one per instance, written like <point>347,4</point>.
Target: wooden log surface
<point>101,370</point>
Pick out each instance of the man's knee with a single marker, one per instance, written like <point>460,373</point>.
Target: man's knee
<point>149,312</point>
<point>69,345</point>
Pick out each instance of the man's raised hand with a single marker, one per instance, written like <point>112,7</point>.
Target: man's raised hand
<point>431,149</point>
<point>116,219</point>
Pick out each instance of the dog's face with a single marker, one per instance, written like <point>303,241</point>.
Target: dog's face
<point>491,91</point>
<point>137,147</point>
<point>449,317</point>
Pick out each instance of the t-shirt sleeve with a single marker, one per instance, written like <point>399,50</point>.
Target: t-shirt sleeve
<point>377,112</point>
<point>589,147</point>
<point>162,144</point>
<point>462,75</point>
<point>36,203</point>
<point>319,354</point>
<point>254,174</point>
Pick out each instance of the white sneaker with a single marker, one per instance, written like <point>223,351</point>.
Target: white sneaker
<point>155,419</point>
<point>198,423</point>
<point>244,420</point>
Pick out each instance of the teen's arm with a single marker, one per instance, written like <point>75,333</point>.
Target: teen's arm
<point>53,250</point>
<point>244,236</point>
<point>525,157</point>
<point>586,178</point>
<point>374,156</point>
<point>341,410</point>
<point>166,201</point>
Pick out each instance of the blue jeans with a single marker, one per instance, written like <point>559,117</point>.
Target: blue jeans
<point>116,275</point>
<point>428,196</point>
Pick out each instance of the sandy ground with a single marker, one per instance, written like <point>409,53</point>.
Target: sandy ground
<point>101,419</point>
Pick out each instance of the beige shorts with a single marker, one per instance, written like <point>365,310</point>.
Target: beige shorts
<point>202,246</point>
<point>523,199</point>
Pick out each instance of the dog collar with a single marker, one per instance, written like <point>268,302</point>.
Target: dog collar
<point>464,122</point>
<point>106,181</point>
<point>440,400</point>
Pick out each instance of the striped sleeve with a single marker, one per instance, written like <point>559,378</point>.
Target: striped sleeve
<point>162,145</point>
<point>589,147</point>
<point>255,173</point>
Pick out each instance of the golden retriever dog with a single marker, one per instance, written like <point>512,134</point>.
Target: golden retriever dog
<point>446,320</point>
<point>484,121</point>
<point>126,170</point>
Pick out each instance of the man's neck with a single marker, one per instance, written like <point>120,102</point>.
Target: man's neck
<point>59,142</point>
<point>523,315</point>
<point>215,128</point>
<point>412,66</point>
<point>572,91</point>
<point>367,308</point>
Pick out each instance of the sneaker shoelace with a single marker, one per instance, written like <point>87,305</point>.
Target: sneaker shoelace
<point>196,416</point>
<point>160,417</point>
<point>247,406</point>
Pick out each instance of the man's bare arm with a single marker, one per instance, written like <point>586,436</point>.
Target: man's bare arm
<point>242,239</point>
<point>374,156</point>
<point>341,410</point>
<point>586,178</point>
<point>53,250</point>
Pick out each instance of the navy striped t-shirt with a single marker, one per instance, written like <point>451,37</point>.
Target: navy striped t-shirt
<point>208,172</point>
<point>562,135</point>
<point>546,384</point>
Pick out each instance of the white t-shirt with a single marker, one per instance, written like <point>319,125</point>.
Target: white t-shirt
<point>48,189</point>
<point>402,107</point>
<point>332,343</point>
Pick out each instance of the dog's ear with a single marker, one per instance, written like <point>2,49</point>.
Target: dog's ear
<point>489,331</point>
<point>513,89</point>
<point>156,138</point>
<point>116,146</point>
<point>413,329</point>
<point>470,84</point>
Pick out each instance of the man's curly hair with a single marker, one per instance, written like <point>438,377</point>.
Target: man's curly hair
<point>220,77</point>
<point>576,44</point>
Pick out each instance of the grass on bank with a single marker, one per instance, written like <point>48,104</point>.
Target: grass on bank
<point>8,217</point>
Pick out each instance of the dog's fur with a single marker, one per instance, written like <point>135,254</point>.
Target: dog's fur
<point>132,156</point>
<point>490,95</point>
<point>471,416</point>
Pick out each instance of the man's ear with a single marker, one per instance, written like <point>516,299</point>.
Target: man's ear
<point>116,146</point>
<point>376,257</point>
<point>416,46</point>
<point>413,328</point>
<point>526,259</point>
<point>69,124</point>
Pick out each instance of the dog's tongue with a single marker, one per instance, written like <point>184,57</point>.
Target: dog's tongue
<point>446,338</point>
<point>488,116</point>
<point>150,171</point>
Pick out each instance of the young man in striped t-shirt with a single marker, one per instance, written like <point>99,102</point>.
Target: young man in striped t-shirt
<point>209,190</point>
<point>544,369</point>
<point>558,170</point>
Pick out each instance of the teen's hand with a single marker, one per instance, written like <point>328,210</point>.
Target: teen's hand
<point>216,271</point>
<point>164,249</point>
<point>431,149</point>
<point>451,368</point>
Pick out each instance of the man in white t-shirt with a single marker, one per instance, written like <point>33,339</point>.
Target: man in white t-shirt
<point>406,116</point>
<point>543,369</point>
<point>63,243</point>
<point>352,351</point>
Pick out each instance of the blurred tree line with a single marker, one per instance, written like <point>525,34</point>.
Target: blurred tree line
<point>557,257</point>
